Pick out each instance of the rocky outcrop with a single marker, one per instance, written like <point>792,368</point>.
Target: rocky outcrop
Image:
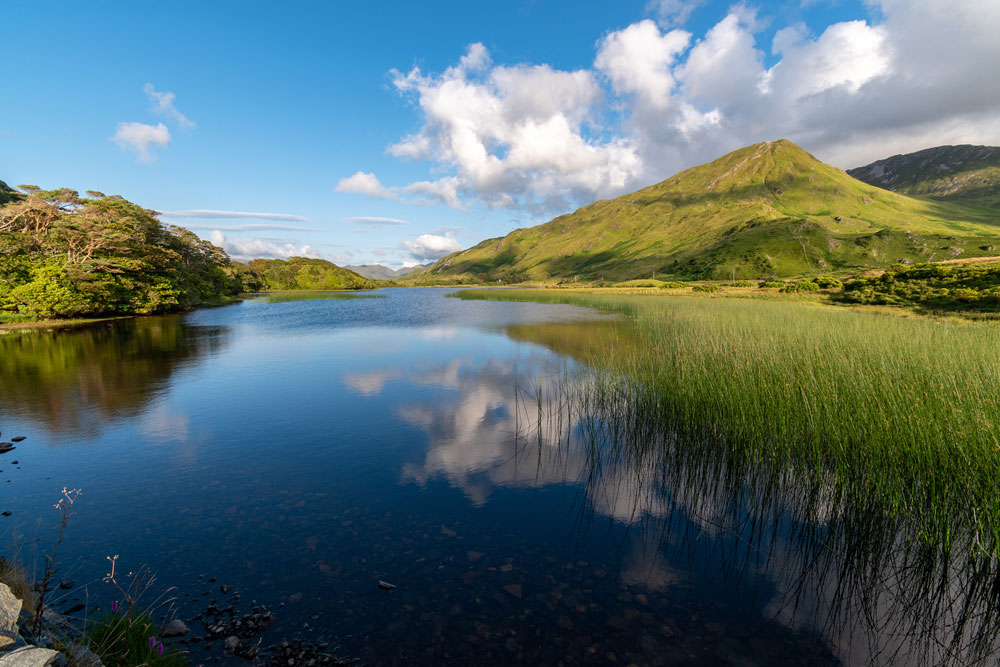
<point>14,650</point>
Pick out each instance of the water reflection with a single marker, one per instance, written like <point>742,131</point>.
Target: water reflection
<point>782,543</point>
<point>75,380</point>
<point>530,509</point>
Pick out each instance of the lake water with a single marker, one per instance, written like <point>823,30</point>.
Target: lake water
<point>301,451</point>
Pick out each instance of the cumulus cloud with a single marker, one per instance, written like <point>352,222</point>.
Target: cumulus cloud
<point>431,246</point>
<point>658,99</point>
<point>215,213</point>
<point>243,248</point>
<point>364,184</point>
<point>141,138</point>
<point>163,104</point>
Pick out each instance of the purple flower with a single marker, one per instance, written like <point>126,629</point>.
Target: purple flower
<point>159,648</point>
<point>152,642</point>
<point>114,605</point>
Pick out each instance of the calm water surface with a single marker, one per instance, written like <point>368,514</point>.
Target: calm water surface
<point>301,451</point>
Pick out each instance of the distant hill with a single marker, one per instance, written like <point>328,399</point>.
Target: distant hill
<point>303,273</point>
<point>967,174</point>
<point>8,194</point>
<point>770,209</point>
<point>379,272</point>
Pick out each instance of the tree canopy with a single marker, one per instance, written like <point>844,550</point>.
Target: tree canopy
<point>66,255</point>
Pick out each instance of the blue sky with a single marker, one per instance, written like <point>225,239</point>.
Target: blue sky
<point>402,132</point>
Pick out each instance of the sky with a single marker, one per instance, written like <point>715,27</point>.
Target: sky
<point>398,133</point>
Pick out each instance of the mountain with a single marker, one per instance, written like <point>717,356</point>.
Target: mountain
<point>968,174</point>
<point>8,194</point>
<point>303,273</point>
<point>379,272</point>
<point>770,209</point>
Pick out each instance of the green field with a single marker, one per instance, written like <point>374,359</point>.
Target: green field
<point>902,413</point>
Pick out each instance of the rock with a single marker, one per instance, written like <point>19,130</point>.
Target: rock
<point>448,531</point>
<point>506,568</point>
<point>65,585</point>
<point>29,656</point>
<point>6,447</point>
<point>231,644</point>
<point>17,438</point>
<point>10,610</point>
<point>225,588</point>
<point>473,556</point>
<point>175,628</point>
<point>385,585</point>
<point>514,589</point>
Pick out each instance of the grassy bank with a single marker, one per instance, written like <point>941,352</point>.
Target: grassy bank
<point>903,413</point>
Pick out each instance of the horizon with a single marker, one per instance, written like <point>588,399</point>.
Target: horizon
<point>363,136</point>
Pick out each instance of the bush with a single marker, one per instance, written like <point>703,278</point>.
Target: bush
<point>706,288</point>
<point>770,283</point>
<point>828,282</point>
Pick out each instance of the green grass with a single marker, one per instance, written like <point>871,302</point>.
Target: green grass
<point>122,640</point>
<point>903,413</point>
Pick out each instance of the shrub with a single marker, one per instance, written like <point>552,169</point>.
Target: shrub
<point>770,283</point>
<point>827,282</point>
<point>706,288</point>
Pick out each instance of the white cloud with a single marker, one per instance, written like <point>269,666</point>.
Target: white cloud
<point>140,138</point>
<point>253,227</point>
<point>371,220</point>
<point>431,246</point>
<point>243,248</point>
<point>673,12</point>
<point>214,213</point>
<point>638,60</point>
<point>364,184</point>
<point>531,137</point>
<point>163,104</point>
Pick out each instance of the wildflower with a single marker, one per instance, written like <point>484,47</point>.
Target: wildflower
<point>114,605</point>
<point>159,648</point>
<point>152,642</point>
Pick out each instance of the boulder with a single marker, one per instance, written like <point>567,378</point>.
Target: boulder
<point>10,610</point>
<point>28,656</point>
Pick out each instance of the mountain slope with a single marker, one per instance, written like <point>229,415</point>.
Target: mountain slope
<point>968,174</point>
<point>303,273</point>
<point>379,272</point>
<point>767,209</point>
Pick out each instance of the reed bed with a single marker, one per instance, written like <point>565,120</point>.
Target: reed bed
<point>901,414</point>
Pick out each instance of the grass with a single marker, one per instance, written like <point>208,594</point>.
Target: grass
<point>902,413</point>
<point>123,640</point>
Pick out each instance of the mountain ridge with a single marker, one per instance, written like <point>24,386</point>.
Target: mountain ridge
<point>769,209</point>
<point>962,173</point>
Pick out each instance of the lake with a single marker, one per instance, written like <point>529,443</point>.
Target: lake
<point>301,449</point>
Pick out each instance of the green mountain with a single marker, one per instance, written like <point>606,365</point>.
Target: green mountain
<point>303,273</point>
<point>967,174</point>
<point>379,272</point>
<point>770,209</point>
